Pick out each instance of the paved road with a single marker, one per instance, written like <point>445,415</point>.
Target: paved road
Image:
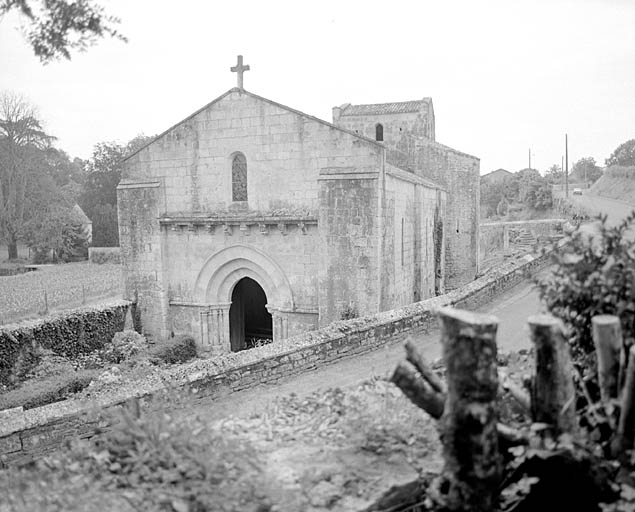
<point>512,308</point>
<point>616,210</point>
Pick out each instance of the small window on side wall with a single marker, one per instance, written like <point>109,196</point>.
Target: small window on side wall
<point>239,177</point>
<point>379,132</point>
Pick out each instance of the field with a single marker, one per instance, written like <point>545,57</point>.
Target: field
<point>57,287</point>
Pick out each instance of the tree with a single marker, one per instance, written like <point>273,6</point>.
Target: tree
<point>491,195</point>
<point>586,169</point>
<point>99,196</point>
<point>55,27</point>
<point>58,230</point>
<point>62,169</point>
<point>555,174</point>
<point>22,142</point>
<point>103,175</point>
<point>623,155</point>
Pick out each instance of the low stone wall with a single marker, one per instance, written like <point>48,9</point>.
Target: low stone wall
<point>502,237</point>
<point>36,432</point>
<point>101,255</point>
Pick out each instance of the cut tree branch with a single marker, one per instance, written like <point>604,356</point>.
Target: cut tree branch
<point>419,362</point>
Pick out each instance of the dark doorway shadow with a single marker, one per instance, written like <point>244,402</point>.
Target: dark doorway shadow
<point>250,323</point>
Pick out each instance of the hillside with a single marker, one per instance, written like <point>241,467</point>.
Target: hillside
<point>616,183</point>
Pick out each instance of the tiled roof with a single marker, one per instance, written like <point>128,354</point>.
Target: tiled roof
<point>401,107</point>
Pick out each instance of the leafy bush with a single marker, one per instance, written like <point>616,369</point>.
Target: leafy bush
<point>78,332</point>
<point>92,361</point>
<point>36,393</point>
<point>179,349</point>
<point>349,312</point>
<point>621,172</point>
<point>124,345</point>
<point>101,255</point>
<point>50,365</point>
<point>593,274</point>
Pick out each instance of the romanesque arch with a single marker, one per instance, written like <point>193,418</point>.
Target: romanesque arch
<point>222,270</point>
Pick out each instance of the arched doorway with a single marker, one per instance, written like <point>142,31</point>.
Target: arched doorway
<point>249,321</point>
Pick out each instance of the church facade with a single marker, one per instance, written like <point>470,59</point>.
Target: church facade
<point>250,220</point>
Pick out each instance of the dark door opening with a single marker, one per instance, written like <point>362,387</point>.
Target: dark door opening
<point>249,321</point>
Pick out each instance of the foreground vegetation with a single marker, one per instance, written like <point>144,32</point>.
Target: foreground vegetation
<point>320,451</point>
<point>33,294</point>
<point>316,452</point>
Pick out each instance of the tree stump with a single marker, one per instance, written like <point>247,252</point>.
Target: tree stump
<point>607,338</point>
<point>472,470</point>
<point>553,394</point>
<point>626,427</point>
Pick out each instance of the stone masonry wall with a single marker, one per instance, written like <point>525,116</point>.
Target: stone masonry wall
<point>139,206</point>
<point>284,149</point>
<point>350,239</point>
<point>410,205</point>
<point>411,146</point>
<point>400,130</point>
<point>459,174</point>
<point>40,431</point>
<point>287,155</point>
<point>298,251</point>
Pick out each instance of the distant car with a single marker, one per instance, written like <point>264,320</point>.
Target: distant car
<point>577,191</point>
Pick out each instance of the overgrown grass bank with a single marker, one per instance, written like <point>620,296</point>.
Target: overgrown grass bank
<point>616,183</point>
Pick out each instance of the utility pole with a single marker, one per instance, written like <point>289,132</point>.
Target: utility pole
<point>562,168</point>
<point>529,158</point>
<point>566,163</point>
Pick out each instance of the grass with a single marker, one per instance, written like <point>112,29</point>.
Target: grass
<point>616,183</point>
<point>62,286</point>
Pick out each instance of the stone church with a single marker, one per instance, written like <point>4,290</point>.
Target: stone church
<point>250,220</point>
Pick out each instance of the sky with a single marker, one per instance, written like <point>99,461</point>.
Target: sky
<point>506,77</point>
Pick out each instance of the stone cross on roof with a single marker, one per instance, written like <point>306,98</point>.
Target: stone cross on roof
<point>240,69</point>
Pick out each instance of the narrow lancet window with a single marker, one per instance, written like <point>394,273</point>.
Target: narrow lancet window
<point>379,132</point>
<point>239,178</point>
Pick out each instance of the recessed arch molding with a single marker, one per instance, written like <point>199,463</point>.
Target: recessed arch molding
<point>220,273</point>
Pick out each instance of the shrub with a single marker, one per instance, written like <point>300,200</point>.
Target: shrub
<point>36,393</point>
<point>124,345</point>
<point>101,255</point>
<point>593,274</point>
<point>92,361</point>
<point>152,462</point>
<point>175,350</point>
<point>349,312</point>
<point>50,365</point>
